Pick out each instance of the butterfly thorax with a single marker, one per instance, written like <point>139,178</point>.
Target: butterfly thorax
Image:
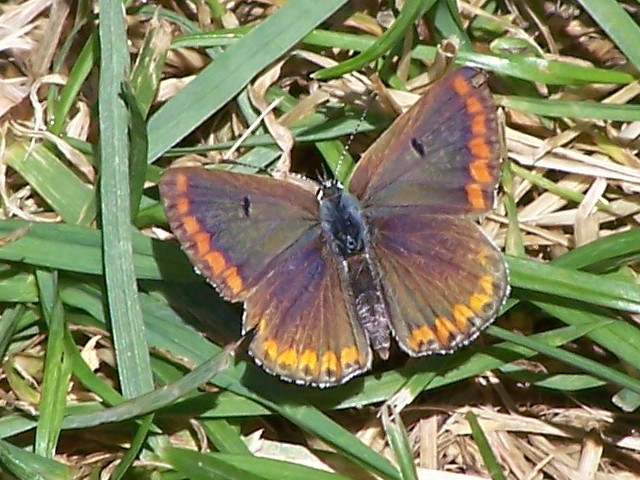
<point>341,216</point>
<point>346,231</point>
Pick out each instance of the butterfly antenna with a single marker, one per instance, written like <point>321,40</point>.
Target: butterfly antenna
<point>252,127</point>
<point>355,131</point>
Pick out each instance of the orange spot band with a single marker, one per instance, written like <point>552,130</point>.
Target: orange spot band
<point>202,240</point>
<point>473,105</point>
<point>444,329</point>
<point>349,356</point>
<point>309,362</point>
<point>479,148</point>
<point>182,183</point>
<point>474,195</point>
<point>234,281</point>
<point>419,336</point>
<point>191,225</point>
<point>479,171</point>
<point>461,86</point>
<point>288,358</point>
<point>182,205</point>
<point>461,315</point>
<point>477,302</point>
<point>486,282</point>
<point>478,125</point>
<point>329,364</point>
<point>270,347</point>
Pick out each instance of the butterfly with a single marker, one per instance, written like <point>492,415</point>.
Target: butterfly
<point>327,279</point>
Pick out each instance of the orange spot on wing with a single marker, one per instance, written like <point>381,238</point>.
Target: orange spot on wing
<point>218,266</point>
<point>349,356</point>
<point>309,362</point>
<point>215,261</point>
<point>479,148</point>
<point>481,258</point>
<point>202,240</point>
<point>486,282</point>
<point>182,183</point>
<point>329,364</point>
<point>474,195</point>
<point>444,328</point>
<point>461,86</point>
<point>270,347</point>
<point>234,281</point>
<point>182,205</point>
<point>479,171</point>
<point>419,336</point>
<point>473,105</point>
<point>478,302</point>
<point>191,225</point>
<point>288,358</point>
<point>462,314</point>
<point>478,125</point>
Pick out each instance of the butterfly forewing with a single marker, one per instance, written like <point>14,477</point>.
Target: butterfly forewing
<point>441,156</point>
<point>234,226</point>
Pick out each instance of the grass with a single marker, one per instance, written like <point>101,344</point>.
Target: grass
<point>105,369</point>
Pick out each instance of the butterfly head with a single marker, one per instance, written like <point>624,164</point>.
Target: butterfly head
<point>329,189</point>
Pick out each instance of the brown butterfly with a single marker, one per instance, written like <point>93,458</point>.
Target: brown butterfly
<point>327,278</point>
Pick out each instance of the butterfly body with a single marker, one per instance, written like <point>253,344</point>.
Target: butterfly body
<point>346,230</point>
<point>326,279</point>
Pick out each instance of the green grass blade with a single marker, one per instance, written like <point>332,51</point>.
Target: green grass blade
<point>67,195</point>
<point>399,442</point>
<point>79,249</point>
<point>132,354</point>
<point>573,109</point>
<point>155,399</point>
<point>411,10</point>
<point>570,358</point>
<point>225,437</point>
<point>57,367</point>
<point>27,465</point>
<point>622,29</point>
<point>220,465</point>
<point>8,325</point>
<point>536,276</point>
<point>134,450</point>
<point>490,460</point>
<point>224,78</point>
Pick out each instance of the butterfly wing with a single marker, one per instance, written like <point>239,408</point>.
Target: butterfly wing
<point>443,279</point>
<point>305,328</point>
<point>233,226</point>
<point>441,156</point>
<point>258,240</point>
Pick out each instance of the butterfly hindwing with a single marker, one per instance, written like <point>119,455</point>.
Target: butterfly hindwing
<point>441,156</point>
<point>305,330</point>
<point>443,279</point>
